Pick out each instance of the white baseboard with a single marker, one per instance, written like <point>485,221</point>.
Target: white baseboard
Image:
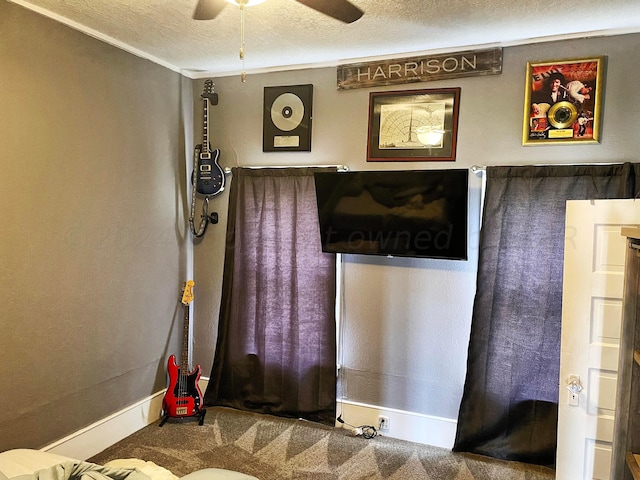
<point>93,439</point>
<point>414,427</point>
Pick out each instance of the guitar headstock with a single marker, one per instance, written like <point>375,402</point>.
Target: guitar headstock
<point>208,92</point>
<point>187,292</point>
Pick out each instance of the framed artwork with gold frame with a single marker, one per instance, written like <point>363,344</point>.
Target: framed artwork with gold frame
<point>563,102</point>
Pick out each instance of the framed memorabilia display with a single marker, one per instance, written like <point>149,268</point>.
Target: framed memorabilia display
<point>413,125</point>
<point>286,123</point>
<point>563,100</point>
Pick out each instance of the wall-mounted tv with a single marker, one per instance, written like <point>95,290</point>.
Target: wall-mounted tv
<point>409,213</point>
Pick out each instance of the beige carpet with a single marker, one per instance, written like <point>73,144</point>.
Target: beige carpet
<point>272,448</point>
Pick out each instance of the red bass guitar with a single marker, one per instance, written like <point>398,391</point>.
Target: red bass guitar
<point>183,397</point>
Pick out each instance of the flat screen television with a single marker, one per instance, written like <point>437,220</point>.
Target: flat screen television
<point>416,213</point>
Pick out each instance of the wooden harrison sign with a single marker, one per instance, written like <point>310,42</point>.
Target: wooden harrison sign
<point>420,69</point>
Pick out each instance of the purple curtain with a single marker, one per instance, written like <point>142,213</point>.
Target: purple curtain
<point>276,348</point>
<point>509,407</point>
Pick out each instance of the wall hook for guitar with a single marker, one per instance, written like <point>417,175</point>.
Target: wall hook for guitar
<point>208,178</point>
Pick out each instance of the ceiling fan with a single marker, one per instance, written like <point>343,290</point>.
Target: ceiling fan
<point>341,10</point>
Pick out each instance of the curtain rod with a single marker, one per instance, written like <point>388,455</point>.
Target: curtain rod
<point>341,168</point>
<point>478,169</point>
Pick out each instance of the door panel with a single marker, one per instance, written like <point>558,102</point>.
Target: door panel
<point>591,319</point>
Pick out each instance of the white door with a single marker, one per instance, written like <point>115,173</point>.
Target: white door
<point>594,256</point>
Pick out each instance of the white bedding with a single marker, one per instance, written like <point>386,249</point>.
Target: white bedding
<point>23,462</point>
<point>155,472</point>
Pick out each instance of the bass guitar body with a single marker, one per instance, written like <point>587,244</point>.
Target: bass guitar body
<point>183,397</point>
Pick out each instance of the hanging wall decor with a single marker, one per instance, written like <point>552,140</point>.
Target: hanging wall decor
<point>423,68</point>
<point>563,99</point>
<point>287,116</point>
<point>413,125</point>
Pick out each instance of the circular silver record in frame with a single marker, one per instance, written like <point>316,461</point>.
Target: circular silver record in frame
<point>287,111</point>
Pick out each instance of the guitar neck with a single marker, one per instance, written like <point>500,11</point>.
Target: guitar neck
<point>184,360</point>
<point>205,125</point>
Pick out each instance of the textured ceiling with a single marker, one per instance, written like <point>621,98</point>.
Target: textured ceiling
<point>284,34</point>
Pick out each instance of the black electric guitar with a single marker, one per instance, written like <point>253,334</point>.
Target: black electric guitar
<point>210,177</point>
<point>183,397</point>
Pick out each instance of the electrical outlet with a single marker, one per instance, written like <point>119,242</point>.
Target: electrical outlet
<point>383,422</point>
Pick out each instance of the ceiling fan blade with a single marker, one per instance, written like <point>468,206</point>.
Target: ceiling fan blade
<point>339,9</point>
<point>208,9</point>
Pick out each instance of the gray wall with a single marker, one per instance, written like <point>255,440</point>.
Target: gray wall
<point>407,321</point>
<point>92,229</point>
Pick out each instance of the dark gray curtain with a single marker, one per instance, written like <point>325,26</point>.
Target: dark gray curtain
<point>276,348</point>
<point>509,406</point>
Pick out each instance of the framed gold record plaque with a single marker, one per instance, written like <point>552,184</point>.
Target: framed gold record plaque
<point>286,124</point>
<point>563,99</point>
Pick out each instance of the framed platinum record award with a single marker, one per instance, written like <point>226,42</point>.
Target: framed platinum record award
<point>286,124</point>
